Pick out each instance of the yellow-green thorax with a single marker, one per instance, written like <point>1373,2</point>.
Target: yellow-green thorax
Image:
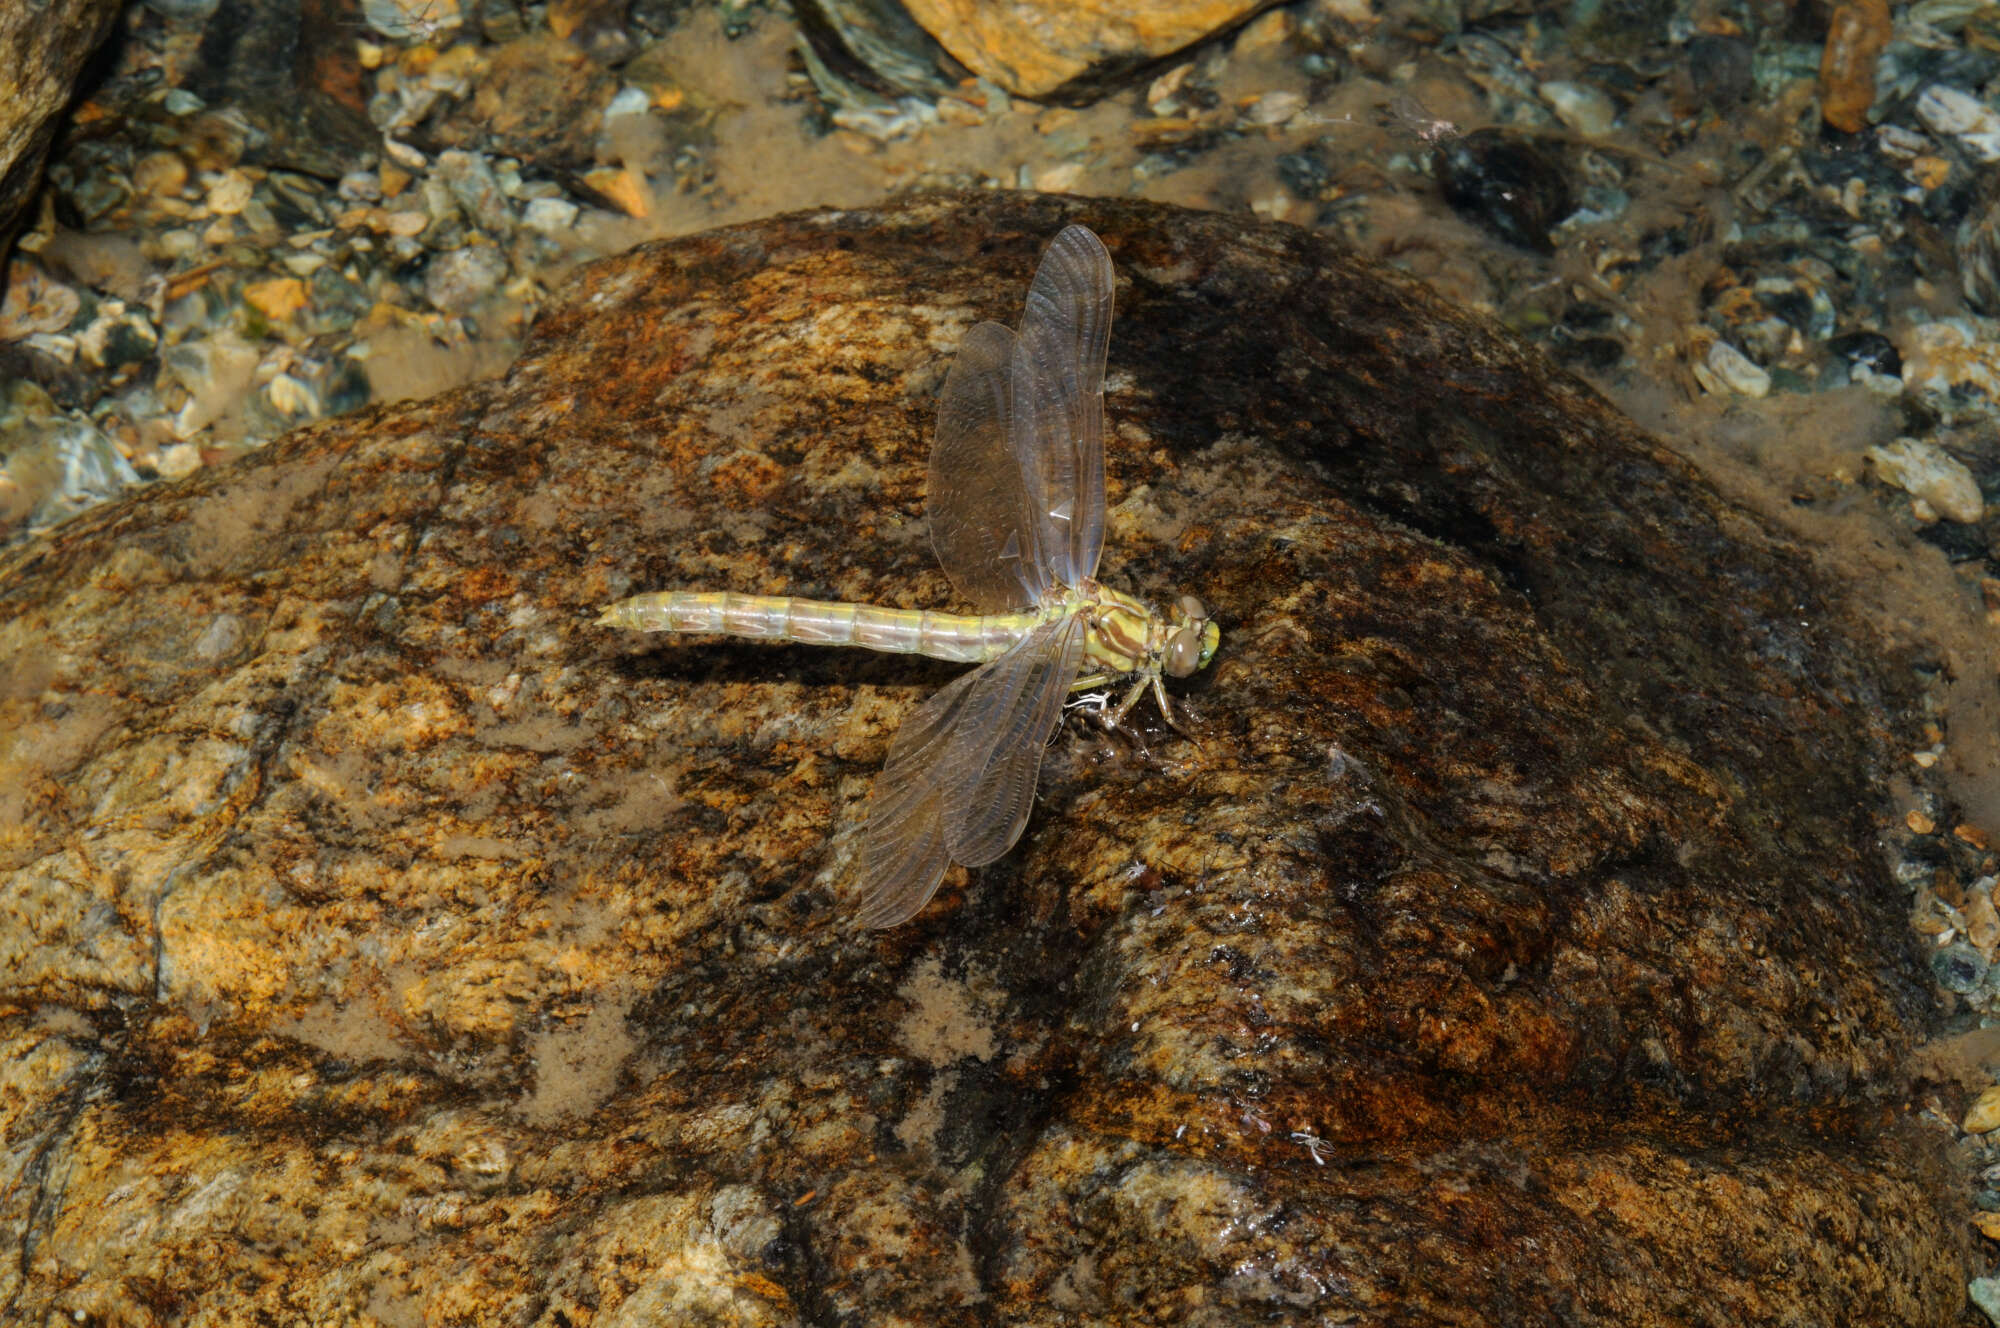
<point>1126,635</point>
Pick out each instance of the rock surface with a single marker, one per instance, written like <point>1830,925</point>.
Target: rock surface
<point>43,48</point>
<point>385,944</point>
<point>1035,48</point>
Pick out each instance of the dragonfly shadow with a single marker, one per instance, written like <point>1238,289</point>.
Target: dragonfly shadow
<point>773,662</point>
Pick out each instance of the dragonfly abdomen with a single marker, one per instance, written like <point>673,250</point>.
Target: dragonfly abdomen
<point>958,637</point>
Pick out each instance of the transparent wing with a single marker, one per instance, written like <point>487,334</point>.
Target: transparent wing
<point>997,744</point>
<point>982,524</point>
<point>1057,400</point>
<point>960,778</point>
<point>903,854</point>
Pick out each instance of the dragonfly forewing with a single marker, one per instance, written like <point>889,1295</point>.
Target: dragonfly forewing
<point>960,779</point>
<point>1057,401</point>
<point>982,525</point>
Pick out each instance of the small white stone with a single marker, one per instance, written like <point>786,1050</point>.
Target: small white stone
<point>1958,115</point>
<point>1984,1113</point>
<point>1277,206</point>
<point>1581,107</point>
<point>1274,108</point>
<point>288,396</point>
<point>629,101</point>
<point>178,243</point>
<point>1900,144</point>
<point>177,460</point>
<point>1168,85</point>
<point>404,155</point>
<point>1929,474</point>
<point>361,187</point>
<point>229,194</point>
<point>1361,13</point>
<point>1736,371</point>
<point>1060,179</point>
<point>549,216</point>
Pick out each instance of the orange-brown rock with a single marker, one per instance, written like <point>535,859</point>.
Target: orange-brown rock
<point>1855,37</point>
<point>382,942</point>
<point>1033,48</point>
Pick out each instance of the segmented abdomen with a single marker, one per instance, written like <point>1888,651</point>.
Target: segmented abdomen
<point>821,622</point>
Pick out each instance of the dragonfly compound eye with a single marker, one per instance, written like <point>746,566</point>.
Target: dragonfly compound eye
<point>1183,652</point>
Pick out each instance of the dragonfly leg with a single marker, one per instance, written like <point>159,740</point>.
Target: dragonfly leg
<point>1167,711</point>
<point>1131,699</point>
<point>1114,718</point>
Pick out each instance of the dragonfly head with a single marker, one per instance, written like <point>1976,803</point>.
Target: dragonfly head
<point>1191,638</point>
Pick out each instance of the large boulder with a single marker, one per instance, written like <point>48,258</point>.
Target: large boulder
<point>380,938</point>
<point>44,48</point>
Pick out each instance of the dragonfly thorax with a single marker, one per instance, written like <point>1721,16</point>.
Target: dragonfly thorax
<point>1127,635</point>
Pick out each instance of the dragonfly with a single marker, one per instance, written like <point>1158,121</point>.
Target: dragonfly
<point>1016,511</point>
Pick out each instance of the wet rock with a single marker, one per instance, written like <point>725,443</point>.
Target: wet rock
<point>56,462</point>
<point>1959,968</point>
<point>595,27</point>
<point>1984,1292</point>
<point>876,46</point>
<point>1499,181</point>
<point>1070,51</point>
<point>210,141</point>
<point>1983,1116</point>
<point>46,49</point>
<point>230,194</point>
<point>277,298</point>
<point>540,100</point>
<point>376,932</point>
<point>549,216</point>
<point>289,68</point>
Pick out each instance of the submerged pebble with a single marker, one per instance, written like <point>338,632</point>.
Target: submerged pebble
<point>1501,182</point>
<point>35,302</point>
<point>1983,1116</point>
<point>1926,471</point>
<point>1958,967</point>
<point>1727,369</point>
<point>460,279</point>
<point>1955,114</point>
